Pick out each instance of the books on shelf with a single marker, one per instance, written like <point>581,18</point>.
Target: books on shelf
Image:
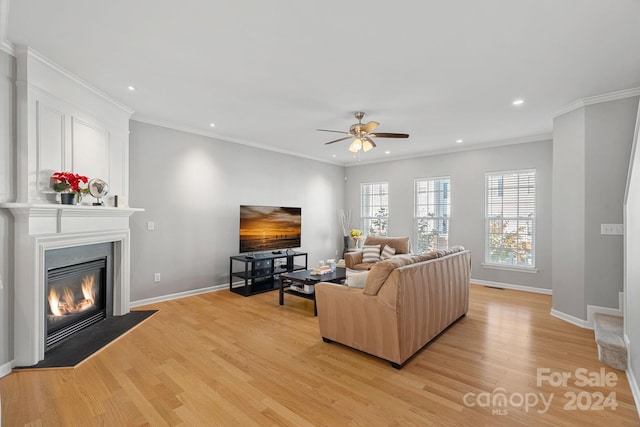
<point>303,289</point>
<point>318,271</point>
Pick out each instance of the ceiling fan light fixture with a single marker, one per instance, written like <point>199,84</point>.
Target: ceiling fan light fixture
<point>356,145</point>
<point>366,146</point>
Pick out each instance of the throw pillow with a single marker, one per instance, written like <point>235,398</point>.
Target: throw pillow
<point>402,244</point>
<point>371,253</point>
<point>387,252</point>
<point>357,280</point>
<point>379,273</point>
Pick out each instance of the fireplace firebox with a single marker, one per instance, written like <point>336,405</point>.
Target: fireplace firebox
<point>79,290</point>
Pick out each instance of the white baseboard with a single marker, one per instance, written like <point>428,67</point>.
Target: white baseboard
<point>571,319</point>
<point>177,295</point>
<point>512,287</point>
<point>6,369</point>
<point>633,384</point>
<point>593,309</point>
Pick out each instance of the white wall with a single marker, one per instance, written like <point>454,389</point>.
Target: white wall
<point>632,266</point>
<point>466,169</point>
<point>63,124</point>
<point>192,186</point>
<point>7,193</point>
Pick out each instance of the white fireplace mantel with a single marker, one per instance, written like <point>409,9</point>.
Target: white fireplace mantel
<point>42,227</point>
<point>56,218</point>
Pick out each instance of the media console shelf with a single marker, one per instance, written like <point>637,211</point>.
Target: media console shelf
<point>259,272</point>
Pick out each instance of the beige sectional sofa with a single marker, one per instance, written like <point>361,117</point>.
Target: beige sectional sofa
<point>406,301</point>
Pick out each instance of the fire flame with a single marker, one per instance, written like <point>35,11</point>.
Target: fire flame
<point>88,288</point>
<point>54,300</point>
<point>67,303</point>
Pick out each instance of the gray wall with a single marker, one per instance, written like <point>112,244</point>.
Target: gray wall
<point>609,138</point>
<point>192,186</point>
<point>7,194</point>
<point>569,214</point>
<point>466,169</point>
<point>592,147</point>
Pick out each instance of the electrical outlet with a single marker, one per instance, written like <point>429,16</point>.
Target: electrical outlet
<point>151,226</point>
<point>156,277</point>
<point>612,229</point>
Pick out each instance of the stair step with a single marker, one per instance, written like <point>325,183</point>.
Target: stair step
<point>609,337</point>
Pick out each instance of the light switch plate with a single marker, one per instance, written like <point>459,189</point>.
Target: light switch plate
<point>612,229</point>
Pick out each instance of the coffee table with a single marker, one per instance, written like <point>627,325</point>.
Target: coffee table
<point>304,277</point>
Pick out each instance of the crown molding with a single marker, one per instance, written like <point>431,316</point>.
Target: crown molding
<point>196,131</point>
<point>30,52</point>
<point>612,96</point>
<point>460,148</point>
<point>5,44</point>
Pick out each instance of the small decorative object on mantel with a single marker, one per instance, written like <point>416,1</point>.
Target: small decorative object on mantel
<point>98,189</point>
<point>68,185</point>
<point>356,236</point>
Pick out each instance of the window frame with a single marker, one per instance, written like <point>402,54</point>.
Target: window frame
<point>491,263</point>
<point>367,220</point>
<point>417,218</point>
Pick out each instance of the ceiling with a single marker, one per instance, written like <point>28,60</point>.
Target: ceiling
<point>268,74</point>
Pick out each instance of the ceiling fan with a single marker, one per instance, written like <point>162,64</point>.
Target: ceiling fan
<point>362,134</point>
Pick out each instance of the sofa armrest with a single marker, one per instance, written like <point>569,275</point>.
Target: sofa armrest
<point>351,259</point>
<point>364,322</point>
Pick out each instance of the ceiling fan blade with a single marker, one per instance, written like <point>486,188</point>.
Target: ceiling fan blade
<point>337,140</point>
<point>389,135</point>
<point>336,131</point>
<point>370,127</point>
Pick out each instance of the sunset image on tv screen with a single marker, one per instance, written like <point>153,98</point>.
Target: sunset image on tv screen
<point>265,228</point>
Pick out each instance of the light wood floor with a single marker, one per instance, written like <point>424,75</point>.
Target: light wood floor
<point>222,359</point>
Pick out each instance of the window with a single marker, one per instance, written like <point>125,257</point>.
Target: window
<point>511,218</point>
<point>374,208</point>
<point>432,213</point>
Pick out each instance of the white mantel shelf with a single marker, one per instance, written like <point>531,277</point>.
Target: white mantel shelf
<point>57,218</point>
<point>58,206</point>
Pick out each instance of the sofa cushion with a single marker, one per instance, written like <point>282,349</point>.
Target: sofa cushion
<point>357,280</point>
<point>363,266</point>
<point>400,244</point>
<point>387,252</point>
<point>371,253</point>
<point>380,272</point>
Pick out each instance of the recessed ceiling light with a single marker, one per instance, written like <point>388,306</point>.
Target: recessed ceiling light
<point>212,125</point>
<point>458,141</point>
<point>131,88</point>
<point>333,155</point>
<point>518,102</point>
<point>387,152</point>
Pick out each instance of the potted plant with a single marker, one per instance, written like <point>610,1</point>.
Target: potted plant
<point>356,235</point>
<point>68,185</point>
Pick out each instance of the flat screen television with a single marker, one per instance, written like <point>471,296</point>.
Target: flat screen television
<point>269,228</point>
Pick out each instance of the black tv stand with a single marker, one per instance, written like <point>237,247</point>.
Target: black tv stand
<point>260,273</point>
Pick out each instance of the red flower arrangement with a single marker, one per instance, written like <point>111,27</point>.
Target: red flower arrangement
<point>69,182</point>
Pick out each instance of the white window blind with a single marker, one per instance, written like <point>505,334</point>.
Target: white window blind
<point>511,218</point>
<point>432,213</point>
<point>374,208</point>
